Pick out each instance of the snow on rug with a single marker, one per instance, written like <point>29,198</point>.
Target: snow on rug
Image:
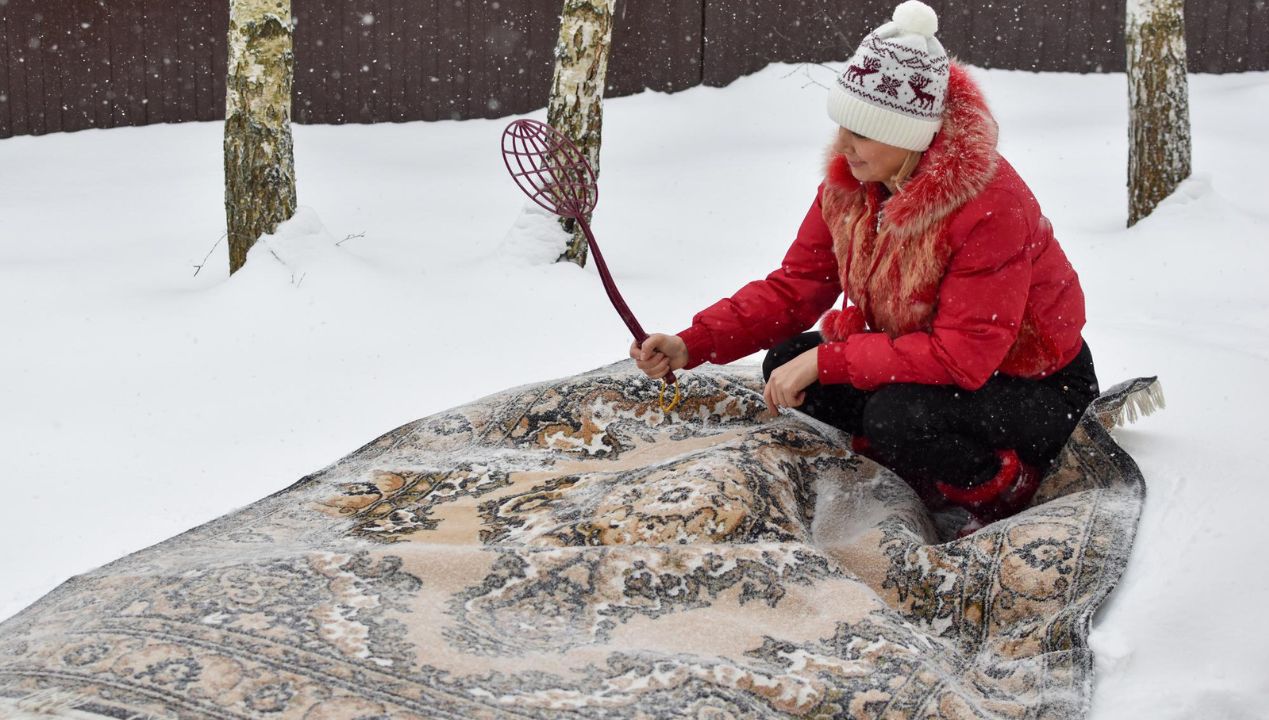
<point>566,550</point>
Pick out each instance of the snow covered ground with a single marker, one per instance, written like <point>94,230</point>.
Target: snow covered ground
<point>138,399</point>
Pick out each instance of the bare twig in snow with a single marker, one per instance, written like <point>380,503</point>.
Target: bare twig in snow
<point>199,266</point>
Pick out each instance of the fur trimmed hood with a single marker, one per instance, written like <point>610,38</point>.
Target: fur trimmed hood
<point>958,165</point>
<point>891,266</point>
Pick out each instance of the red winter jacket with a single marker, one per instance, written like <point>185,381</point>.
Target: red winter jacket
<point>958,278</point>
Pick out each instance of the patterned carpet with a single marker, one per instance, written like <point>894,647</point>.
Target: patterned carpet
<point>566,550</point>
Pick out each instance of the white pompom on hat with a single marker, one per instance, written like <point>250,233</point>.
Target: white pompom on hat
<point>893,87</point>
<point>916,17</point>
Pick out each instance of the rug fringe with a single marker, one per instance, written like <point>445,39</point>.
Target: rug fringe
<point>1140,403</point>
<point>44,704</point>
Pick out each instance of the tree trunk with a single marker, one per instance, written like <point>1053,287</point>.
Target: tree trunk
<point>577,90</point>
<point>259,158</point>
<point>1159,106</point>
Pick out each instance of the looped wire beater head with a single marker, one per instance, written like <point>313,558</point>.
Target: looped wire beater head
<point>549,168</point>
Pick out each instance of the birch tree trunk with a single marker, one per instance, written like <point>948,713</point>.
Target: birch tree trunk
<point>1159,106</point>
<point>577,90</point>
<point>259,159</point>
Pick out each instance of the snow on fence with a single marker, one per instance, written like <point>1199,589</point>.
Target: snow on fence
<point>75,64</point>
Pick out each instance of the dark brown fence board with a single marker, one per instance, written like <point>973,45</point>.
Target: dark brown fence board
<point>45,73</point>
<point>187,63</point>
<point>460,71</point>
<point>194,60</point>
<point>480,68</point>
<point>1008,35</point>
<point>164,44</point>
<point>332,58</point>
<point>302,95</point>
<point>328,61</point>
<point>122,17</point>
<point>367,63</point>
<point>1258,36</point>
<point>544,36</point>
<point>375,59</point>
<point>96,35</point>
<point>151,28</point>
<point>349,67</point>
<point>48,55</point>
<point>350,64</point>
<point>220,53</point>
<point>139,101</point>
<point>451,58</point>
<point>1080,28</point>
<point>395,70</point>
<point>337,99</point>
<point>410,36</point>
<point>80,86</point>
<point>313,60</point>
<point>981,40</point>
<point>105,91</point>
<point>19,120</point>
<point>1195,34</point>
<point>1052,48</point>
<point>493,37</point>
<point>372,64</point>
<point>23,27</point>
<point>422,58</point>
<point>6,90</point>
<point>1236,27</point>
<point>1043,28</point>
<point>194,57</point>
<point>432,70</point>
<point>354,63</point>
<point>1218,34</point>
<point>1112,57</point>
<point>19,18</point>
<point>1200,35</point>
<point>32,55</point>
<point>169,64</point>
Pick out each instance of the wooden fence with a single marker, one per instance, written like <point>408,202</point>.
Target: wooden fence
<point>74,64</point>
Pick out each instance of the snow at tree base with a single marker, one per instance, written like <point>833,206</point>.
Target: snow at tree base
<point>141,398</point>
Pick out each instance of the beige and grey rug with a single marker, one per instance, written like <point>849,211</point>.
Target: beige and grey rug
<point>567,550</point>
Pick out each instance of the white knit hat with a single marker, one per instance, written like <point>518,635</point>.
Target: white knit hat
<point>893,88</point>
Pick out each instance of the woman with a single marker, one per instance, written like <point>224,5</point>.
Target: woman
<point>956,359</point>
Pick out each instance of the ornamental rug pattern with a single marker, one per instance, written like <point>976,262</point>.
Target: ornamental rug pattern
<point>568,550</point>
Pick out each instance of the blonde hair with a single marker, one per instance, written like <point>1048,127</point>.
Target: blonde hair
<point>905,170</point>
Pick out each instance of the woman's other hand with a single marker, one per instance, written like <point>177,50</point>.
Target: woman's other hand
<point>659,354</point>
<point>787,384</point>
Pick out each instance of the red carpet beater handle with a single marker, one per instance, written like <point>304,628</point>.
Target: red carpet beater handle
<point>554,173</point>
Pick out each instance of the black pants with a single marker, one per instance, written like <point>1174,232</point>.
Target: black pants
<point>927,433</point>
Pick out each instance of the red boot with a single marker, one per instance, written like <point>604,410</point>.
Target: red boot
<point>1005,494</point>
<point>861,445</point>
